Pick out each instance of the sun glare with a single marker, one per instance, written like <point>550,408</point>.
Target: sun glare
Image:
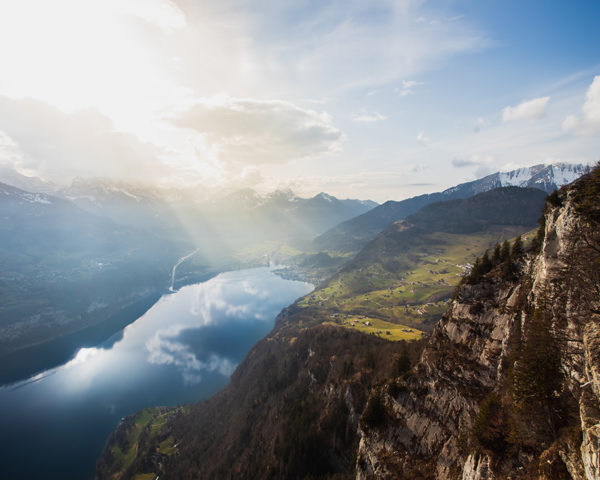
<point>79,54</point>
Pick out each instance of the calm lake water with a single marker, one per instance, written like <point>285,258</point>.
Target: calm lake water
<point>182,350</point>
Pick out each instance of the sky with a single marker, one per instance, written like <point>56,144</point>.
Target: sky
<point>378,99</point>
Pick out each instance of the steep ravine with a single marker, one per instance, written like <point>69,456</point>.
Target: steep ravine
<point>506,387</point>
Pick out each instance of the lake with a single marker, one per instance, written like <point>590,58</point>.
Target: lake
<point>182,350</point>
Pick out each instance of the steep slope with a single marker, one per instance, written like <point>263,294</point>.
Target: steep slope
<point>507,386</point>
<point>351,235</point>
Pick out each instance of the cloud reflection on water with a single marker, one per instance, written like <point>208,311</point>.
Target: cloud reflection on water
<point>224,313</point>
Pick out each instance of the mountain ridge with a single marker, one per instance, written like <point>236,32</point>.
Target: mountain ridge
<point>351,235</point>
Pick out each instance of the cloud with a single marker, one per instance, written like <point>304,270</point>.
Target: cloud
<point>473,161</point>
<point>369,118</point>
<point>589,120</point>
<point>460,162</point>
<point>261,131</point>
<point>422,138</point>
<point>407,87</point>
<point>529,110</point>
<point>164,349</point>
<point>60,146</point>
<point>335,45</point>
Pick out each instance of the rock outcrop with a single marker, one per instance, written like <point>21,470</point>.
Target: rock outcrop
<point>469,410</point>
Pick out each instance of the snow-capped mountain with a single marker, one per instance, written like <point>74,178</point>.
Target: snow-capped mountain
<point>544,177</point>
<point>11,177</point>
<point>10,194</point>
<point>356,232</point>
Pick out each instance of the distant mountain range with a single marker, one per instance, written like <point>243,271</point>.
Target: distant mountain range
<point>353,234</point>
<point>280,215</point>
<point>240,216</point>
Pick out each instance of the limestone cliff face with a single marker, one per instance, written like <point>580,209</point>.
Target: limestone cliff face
<point>473,355</point>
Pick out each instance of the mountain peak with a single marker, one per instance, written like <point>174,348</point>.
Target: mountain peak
<point>285,194</point>
<point>325,196</point>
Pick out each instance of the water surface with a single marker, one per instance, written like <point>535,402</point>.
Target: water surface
<point>181,350</point>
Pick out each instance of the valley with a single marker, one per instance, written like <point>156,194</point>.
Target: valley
<point>385,299</point>
<point>299,240</point>
<point>442,407</point>
<point>368,322</point>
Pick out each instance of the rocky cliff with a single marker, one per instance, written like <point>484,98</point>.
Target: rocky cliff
<point>508,385</point>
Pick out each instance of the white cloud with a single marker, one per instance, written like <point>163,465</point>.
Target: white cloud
<point>422,138</point>
<point>164,349</point>
<point>410,83</point>
<point>59,146</point>
<point>261,131</point>
<point>337,44</point>
<point>528,110</point>
<point>407,87</point>
<point>369,118</point>
<point>589,120</point>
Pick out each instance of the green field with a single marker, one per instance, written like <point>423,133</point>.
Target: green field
<point>377,327</point>
<point>152,420</point>
<point>266,250</point>
<point>409,288</point>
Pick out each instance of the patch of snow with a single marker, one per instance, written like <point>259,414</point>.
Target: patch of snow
<point>326,197</point>
<point>36,198</point>
<point>124,192</point>
<point>564,174</point>
<point>515,178</point>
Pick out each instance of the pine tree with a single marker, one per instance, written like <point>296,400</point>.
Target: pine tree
<point>537,375</point>
<point>517,248</point>
<point>475,274</point>
<point>497,255</point>
<point>505,252</point>
<point>486,264</point>
<point>402,362</point>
